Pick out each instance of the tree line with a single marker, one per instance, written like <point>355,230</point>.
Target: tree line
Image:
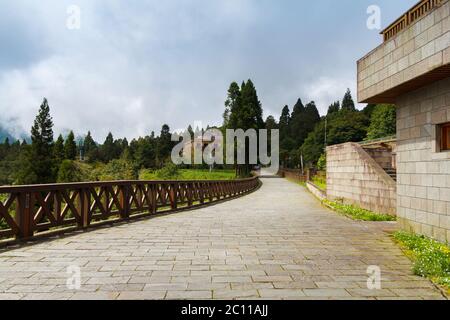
<point>304,134</point>
<point>46,160</point>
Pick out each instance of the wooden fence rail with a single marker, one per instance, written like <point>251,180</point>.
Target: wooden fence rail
<point>27,211</point>
<point>293,174</point>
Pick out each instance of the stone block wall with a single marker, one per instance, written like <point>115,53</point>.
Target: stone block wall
<point>423,172</point>
<point>414,52</point>
<point>356,178</point>
<point>382,156</point>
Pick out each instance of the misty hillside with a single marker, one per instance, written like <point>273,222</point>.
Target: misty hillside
<point>5,134</point>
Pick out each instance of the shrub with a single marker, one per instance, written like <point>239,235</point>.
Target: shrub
<point>169,172</point>
<point>322,162</point>
<point>74,171</point>
<point>69,172</point>
<point>117,169</point>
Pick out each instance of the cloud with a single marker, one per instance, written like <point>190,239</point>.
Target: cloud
<point>135,65</point>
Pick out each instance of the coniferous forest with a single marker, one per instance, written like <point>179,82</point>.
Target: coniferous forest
<point>304,133</point>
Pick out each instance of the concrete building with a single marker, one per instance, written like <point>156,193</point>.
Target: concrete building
<point>411,69</point>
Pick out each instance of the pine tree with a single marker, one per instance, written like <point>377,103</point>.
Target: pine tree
<point>245,113</point>
<point>348,103</point>
<point>271,123</point>
<point>190,131</point>
<point>298,110</point>
<point>164,144</point>
<point>58,149</point>
<point>144,152</point>
<point>286,141</point>
<point>303,121</point>
<point>108,149</point>
<point>70,147</point>
<point>88,143</point>
<point>123,147</point>
<point>297,124</point>
<point>38,165</point>
<point>312,116</point>
<point>232,105</point>
<point>284,120</point>
<point>90,148</point>
<point>334,108</point>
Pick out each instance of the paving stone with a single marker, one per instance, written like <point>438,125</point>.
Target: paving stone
<point>184,295</point>
<point>276,243</point>
<point>326,293</point>
<point>371,293</point>
<point>95,295</point>
<point>426,293</point>
<point>165,286</point>
<point>272,279</point>
<point>280,293</point>
<point>295,285</point>
<point>235,279</point>
<point>235,294</point>
<point>11,296</point>
<point>48,296</point>
<point>142,295</point>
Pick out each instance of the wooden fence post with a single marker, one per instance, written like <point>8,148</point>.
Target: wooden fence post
<point>154,189</point>
<point>201,191</point>
<point>24,215</point>
<point>189,192</point>
<point>173,196</point>
<point>83,206</point>
<point>124,199</point>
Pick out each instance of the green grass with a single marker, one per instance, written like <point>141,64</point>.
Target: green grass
<point>190,174</point>
<point>350,211</point>
<point>320,182</point>
<point>357,213</point>
<point>431,258</point>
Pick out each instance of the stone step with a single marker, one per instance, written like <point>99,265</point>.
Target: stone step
<point>392,173</point>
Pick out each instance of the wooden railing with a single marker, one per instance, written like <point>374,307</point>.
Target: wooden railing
<point>27,211</point>
<point>415,13</point>
<point>297,175</point>
<point>293,174</point>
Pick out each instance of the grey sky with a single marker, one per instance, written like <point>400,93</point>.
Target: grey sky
<point>137,64</point>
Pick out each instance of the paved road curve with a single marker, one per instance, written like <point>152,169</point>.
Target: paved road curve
<point>277,243</point>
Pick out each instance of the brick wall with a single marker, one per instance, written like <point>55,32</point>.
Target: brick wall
<point>352,175</point>
<point>423,172</point>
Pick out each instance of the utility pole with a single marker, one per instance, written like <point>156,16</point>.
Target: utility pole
<point>80,147</point>
<point>301,161</point>
<point>326,124</point>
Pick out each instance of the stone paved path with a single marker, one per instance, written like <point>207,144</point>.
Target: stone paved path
<point>277,243</point>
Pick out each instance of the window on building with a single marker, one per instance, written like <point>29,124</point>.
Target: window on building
<point>445,137</point>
